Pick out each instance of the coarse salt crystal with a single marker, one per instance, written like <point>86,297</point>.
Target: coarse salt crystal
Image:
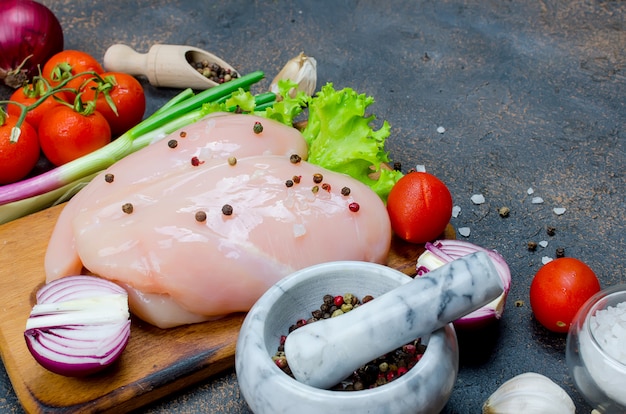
<point>558,210</point>
<point>478,199</point>
<point>543,243</point>
<point>464,231</point>
<point>441,129</point>
<point>609,329</point>
<point>456,210</point>
<point>546,259</point>
<point>537,200</point>
<point>530,191</point>
<point>420,168</point>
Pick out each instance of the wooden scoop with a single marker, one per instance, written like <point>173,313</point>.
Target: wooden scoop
<point>164,65</point>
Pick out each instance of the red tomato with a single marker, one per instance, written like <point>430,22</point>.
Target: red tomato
<point>419,207</point>
<point>28,95</point>
<point>559,289</point>
<point>17,159</point>
<point>128,96</point>
<point>78,62</point>
<point>65,134</point>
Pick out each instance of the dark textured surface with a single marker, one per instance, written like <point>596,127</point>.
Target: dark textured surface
<point>531,94</point>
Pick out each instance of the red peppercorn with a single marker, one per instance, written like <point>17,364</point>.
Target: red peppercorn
<point>354,207</point>
<point>391,375</point>
<point>283,338</point>
<point>402,371</point>
<point>338,301</point>
<point>195,161</point>
<point>409,349</point>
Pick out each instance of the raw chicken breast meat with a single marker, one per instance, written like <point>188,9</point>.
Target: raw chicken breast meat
<point>209,239</point>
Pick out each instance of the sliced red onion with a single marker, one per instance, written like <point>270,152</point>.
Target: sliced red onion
<point>79,326</point>
<point>444,251</point>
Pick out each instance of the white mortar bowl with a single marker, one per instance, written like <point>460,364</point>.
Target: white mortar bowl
<point>425,388</point>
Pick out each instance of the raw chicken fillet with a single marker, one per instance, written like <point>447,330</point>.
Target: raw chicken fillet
<point>208,237</point>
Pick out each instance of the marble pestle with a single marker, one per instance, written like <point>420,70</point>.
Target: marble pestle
<point>323,353</point>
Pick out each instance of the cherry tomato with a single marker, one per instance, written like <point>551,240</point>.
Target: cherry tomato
<point>559,289</point>
<point>78,62</point>
<point>65,134</point>
<point>17,159</point>
<point>28,95</point>
<point>128,96</point>
<point>419,207</point>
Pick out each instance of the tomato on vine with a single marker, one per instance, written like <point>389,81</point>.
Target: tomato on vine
<point>67,133</point>
<point>559,289</point>
<point>68,63</point>
<point>125,104</point>
<point>419,207</point>
<point>30,94</point>
<point>19,152</point>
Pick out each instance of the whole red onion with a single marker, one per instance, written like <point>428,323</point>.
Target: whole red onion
<point>29,35</point>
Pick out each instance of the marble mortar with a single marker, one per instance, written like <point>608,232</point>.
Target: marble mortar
<point>424,389</point>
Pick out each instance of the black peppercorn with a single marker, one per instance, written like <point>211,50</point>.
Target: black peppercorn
<point>560,252</point>
<point>172,143</point>
<point>109,177</point>
<point>227,209</point>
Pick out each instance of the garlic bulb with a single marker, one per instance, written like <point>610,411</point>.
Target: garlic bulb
<point>302,70</point>
<point>529,393</point>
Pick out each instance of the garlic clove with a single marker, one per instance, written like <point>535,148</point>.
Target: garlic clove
<point>302,70</point>
<point>529,393</point>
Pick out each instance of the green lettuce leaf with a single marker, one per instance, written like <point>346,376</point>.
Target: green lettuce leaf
<point>339,135</point>
<point>341,139</point>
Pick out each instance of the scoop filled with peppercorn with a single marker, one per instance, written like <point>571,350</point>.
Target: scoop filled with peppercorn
<point>418,376</point>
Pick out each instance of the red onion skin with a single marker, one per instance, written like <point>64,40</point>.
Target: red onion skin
<point>72,370</point>
<point>26,28</point>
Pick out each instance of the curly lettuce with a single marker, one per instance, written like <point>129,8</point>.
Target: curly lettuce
<point>338,133</point>
<point>341,139</point>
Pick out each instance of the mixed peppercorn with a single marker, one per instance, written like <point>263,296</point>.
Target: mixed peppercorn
<point>214,72</point>
<point>227,209</point>
<point>375,373</point>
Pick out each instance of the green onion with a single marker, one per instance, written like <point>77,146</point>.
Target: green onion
<point>182,110</point>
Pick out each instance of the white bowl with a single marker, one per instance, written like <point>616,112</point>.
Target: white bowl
<point>599,377</point>
<point>425,388</point>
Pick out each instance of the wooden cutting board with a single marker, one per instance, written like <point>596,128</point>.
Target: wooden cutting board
<point>155,363</point>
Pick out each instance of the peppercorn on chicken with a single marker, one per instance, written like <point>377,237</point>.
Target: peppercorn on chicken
<point>201,223</point>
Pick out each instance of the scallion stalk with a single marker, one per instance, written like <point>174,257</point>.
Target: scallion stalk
<point>185,109</point>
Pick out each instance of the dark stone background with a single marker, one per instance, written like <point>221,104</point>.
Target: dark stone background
<point>531,94</point>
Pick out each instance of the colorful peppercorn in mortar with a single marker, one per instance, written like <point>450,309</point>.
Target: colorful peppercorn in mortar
<point>377,372</point>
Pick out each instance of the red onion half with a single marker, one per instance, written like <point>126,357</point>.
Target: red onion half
<point>29,35</point>
<point>444,251</point>
<point>79,326</point>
